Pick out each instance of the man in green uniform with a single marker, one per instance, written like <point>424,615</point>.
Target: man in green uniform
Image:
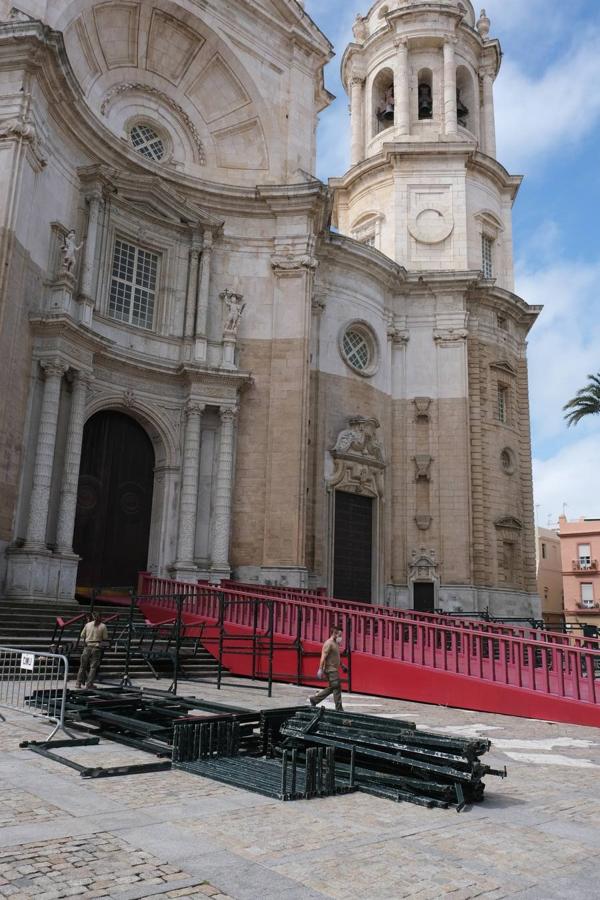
<point>95,637</point>
<point>329,667</point>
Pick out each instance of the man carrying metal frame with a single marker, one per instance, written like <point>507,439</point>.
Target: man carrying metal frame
<point>329,667</point>
<point>95,637</point>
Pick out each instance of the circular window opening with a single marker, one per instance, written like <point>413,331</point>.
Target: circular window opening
<point>358,347</point>
<point>147,142</point>
<point>507,458</point>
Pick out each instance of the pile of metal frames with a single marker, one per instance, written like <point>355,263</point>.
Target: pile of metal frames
<point>392,758</point>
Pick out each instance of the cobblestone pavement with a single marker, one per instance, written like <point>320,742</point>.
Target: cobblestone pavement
<point>172,834</point>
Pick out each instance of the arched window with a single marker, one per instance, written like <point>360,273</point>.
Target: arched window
<point>465,99</point>
<point>383,101</point>
<point>425,94</point>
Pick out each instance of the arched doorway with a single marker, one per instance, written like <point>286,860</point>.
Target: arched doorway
<point>114,501</point>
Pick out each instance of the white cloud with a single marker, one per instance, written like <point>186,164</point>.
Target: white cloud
<point>539,116</point>
<point>571,476</point>
<point>563,347</point>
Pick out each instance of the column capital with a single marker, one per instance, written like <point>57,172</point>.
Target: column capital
<point>228,413</point>
<point>53,367</point>
<point>401,43</point>
<point>194,408</point>
<point>357,80</point>
<point>450,41</point>
<point>208,240</point>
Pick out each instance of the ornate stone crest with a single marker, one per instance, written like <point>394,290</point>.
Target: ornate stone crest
<point>358,458</point>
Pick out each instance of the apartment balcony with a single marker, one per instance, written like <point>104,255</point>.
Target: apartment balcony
<point>584,568</point>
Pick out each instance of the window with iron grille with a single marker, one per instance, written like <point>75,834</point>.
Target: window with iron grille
<point>147,142</point>
<point>357,349</point>
<point>502,403</point>
<point>133,284</point>
<point>487,256</point>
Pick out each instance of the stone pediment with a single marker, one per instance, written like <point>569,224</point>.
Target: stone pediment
<point>358,443</point>
<point>509,522</point>
<point>504,366</point>
<point>152,197</point>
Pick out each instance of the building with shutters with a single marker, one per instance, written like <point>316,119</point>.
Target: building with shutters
<point>213,364</point>
<point>580,552</point>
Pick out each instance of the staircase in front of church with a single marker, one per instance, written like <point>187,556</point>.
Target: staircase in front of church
<point>30,625</point>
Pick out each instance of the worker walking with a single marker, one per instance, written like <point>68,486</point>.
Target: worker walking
<point>95,638</point>
<point>329,667</point>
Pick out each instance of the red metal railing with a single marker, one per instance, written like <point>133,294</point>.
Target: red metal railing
<point>152,584</point>
<point>560,669</point>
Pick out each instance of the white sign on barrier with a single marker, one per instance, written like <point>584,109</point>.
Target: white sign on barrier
<point>27,661</point>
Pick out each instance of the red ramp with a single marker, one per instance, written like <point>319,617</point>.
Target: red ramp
<point>393,653</point>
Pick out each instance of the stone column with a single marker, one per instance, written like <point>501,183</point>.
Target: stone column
<point>357,119</point>
<point>402,89</point>
<point>86,300</point>
<point>188,496</point>
<point>489,124</point>
<point>203,296</point>
<point>450,112</point>
<point>70,478</point>
<point>44,457</point>
<point>223,491</point>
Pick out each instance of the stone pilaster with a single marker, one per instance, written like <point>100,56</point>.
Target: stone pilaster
<point>192,292</point>
<point>221,529</point>
<point>68,493</point>
<point>489,125</point>
<point>44,457</point>
<point>450,112</point>
<point>402,89</point>
<point>184,566</point>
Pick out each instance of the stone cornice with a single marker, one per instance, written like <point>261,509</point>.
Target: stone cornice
<point>365,259</point>
<point>505,302</point>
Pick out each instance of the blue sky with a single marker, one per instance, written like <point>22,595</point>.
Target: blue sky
<point>548,124</point>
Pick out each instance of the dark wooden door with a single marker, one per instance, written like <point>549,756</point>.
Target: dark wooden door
<point>353,553</point>
<point>114,501</point>
<point>424,596</point>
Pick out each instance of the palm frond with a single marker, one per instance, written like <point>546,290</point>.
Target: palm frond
<point>586,402</point>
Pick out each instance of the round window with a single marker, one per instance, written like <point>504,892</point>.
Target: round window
<point>358,347</point>
<point>147,142</point>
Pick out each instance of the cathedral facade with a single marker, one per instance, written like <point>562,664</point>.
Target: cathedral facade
<point>216,366</point>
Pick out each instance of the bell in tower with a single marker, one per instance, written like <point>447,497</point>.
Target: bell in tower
<point>385,111</point>
<point>425,101</point>
<point>462,111</point>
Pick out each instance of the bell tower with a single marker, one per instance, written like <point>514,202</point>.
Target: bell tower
<point>424,185</point>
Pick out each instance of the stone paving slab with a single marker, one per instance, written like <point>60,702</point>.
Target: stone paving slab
<point>173,834</point>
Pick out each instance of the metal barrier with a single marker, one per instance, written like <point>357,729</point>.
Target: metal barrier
<point>36,684</point>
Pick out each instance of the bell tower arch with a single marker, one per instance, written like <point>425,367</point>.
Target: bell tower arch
<point>420,80</point>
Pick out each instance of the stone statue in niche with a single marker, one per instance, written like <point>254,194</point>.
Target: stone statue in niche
<point>234,305</point>
<point>69,250</point>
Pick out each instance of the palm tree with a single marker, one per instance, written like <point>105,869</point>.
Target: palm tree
<point>586,402</point>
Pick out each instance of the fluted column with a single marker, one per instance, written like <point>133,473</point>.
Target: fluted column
<point>402,89</point>
<point>68,492</point>
<point>223,491</point>
<point>192,292</point>
<point>489,123</point>
<point>89,253</point>
<point>450,111</point>
<point>357,118</point>
<point>190,473</point>
<point>203,291</point>
<point>44,457</point>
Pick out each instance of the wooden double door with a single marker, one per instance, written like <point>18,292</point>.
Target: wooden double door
<point>114,501</point>
<point>353,547</point>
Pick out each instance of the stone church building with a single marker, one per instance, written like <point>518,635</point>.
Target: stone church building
<point>213,365</point>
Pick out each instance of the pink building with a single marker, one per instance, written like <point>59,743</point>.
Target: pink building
<point>580,552</point>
